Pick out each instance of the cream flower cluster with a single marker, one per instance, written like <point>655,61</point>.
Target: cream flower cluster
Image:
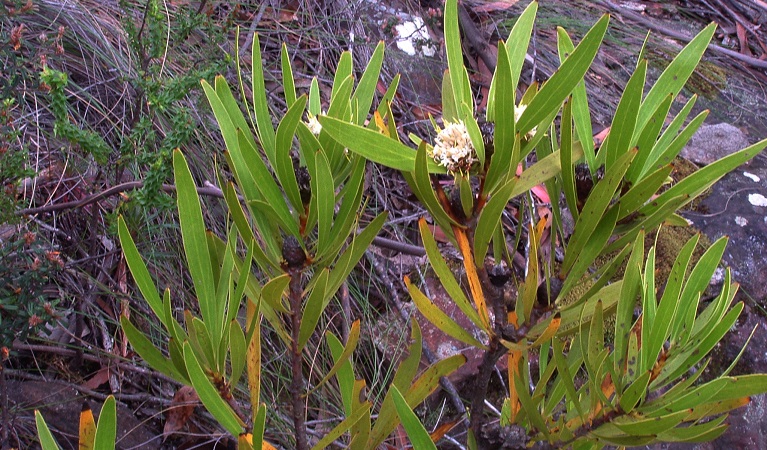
<point>314,125</point>
<point>453,148</point>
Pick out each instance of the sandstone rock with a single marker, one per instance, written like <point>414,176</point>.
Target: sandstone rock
<point>712,142</point>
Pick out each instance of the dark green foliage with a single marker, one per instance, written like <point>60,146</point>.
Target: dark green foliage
<point>26,266</point>
<point>93,144</point>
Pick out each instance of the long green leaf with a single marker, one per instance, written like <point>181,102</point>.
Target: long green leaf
<point>539,172</point>
<point>315,305</point>
<point>567,161</point>
<point>647,140</point>
<point>701,180</point>
<point>580,104</point>
<point>594,209</point>
<point>696,283</point>
<point>449,108</point>
<point>344,223</point>
<point>530,407</point>
<point>565,375</point>
<point>421,182</point>
<point>636,392</point>
<point>458,76</point>
<point>504,135</point>
<point>339,108</point>
<point>668,308</point>
<point>370,144</point>
<point>288,82</point>
<point>445,275</point>
<point>343,71</point>
<point>624,121</point>
<point>641,192</point>
<point>640,426</point>
<point>259,424</point>
<point>581,314</point>
<point>140,272</point>
<point>351,256</point>
<point>245,230</point>
<point>676,74</point>
<point>209,394</point>
<point>489,220</point>
<point>342,364</point>
<point>270,192</point>
<point>438,317</point>
<point>417,434</point>
<point>590,251</point>
<point>106,431</point>
<point>628,300</point>
<point>283,163</point>
<point>260,106</point>
<point>237,351</point>
<point>229,133</point>
<point>44,434</point>
<point>674,369</point>
<point>323,194</point>
<point>520,36</point>
<point>561,84</point>
<point>672,150</point>
<point>694,433</point>
<point>193,236</point>
<point>149,351</point>
<point>366,87</point>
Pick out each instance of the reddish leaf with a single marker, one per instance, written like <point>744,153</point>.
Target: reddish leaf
<point>180,410</point>
<point>539,190</point>
<point>600,137</point>
<point>439,235</point>
<point>99,378</point>
<point>740,30</point>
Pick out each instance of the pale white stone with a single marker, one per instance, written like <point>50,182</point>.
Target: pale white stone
<point>742,221</point>
<point>752,176</point>
<point>410,30</point>
<point>757,199</point>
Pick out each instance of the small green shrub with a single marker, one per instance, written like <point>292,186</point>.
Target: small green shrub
<point>294,207</point>
<point>26,267</point>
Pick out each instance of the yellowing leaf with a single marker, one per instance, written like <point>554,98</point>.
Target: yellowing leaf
<point>87,428</point>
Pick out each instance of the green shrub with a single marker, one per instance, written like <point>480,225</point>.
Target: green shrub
<point>26,267</point>
<point>294,211</point>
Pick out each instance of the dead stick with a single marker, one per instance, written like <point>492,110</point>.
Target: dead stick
<point>755,62</point>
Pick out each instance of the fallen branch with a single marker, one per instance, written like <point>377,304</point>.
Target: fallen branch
<point>755,62</point>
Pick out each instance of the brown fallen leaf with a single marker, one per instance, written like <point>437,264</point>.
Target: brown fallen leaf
<point>500,5</point>
<point>740,30</point>
<point>99,378</point>
<point>180,410</point>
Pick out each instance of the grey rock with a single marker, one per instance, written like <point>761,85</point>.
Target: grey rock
<point>713,142</point>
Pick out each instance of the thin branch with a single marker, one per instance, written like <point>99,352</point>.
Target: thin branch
<point>114,190</point>
<point>755,62</point>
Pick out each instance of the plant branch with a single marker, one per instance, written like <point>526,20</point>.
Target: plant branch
<point>750,60</point>
<point>297,374</point>
<point>210,191</point>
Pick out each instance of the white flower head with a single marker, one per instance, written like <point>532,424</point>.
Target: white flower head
<point>314,125</point>
<point>453,148</point>
<point>518,110</point>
